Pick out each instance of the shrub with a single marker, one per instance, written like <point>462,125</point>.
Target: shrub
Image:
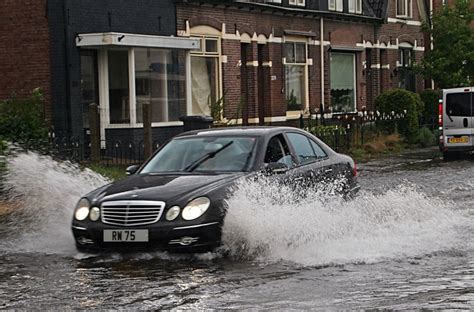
<point>398,101</point>
<point>425,137</point>
<point>430,100</point>
<point>22,121</point>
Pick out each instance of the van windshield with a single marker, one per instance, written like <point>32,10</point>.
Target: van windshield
<point>459,104</point>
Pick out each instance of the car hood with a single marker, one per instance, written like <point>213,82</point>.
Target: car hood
<point>165,187</point>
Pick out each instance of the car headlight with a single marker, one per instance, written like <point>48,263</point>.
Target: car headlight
<point>94,214</point>
<point>82,209</point>
<point>195,208</point>
<point>173,213</point>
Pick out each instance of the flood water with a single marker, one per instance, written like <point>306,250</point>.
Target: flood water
<point>406,242</point>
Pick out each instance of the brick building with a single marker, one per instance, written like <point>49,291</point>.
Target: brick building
<point>118,54</point>
<point>270,60</point>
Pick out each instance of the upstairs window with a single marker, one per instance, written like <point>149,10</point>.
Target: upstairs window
<point>335,5</point>
<point>404,8</point>
<point>298,2</point>
<point>355,6</point>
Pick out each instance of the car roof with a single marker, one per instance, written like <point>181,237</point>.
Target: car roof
<point>260,131</point>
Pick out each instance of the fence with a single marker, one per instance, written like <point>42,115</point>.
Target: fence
<point>345,131</point>
<point>115,152</point>
<point>341,132</point>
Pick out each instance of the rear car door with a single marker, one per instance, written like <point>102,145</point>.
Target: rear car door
<point>458,121</point>
<point>314,165</point>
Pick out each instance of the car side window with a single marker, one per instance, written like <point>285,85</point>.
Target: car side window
<point>302,146</point>
<point>318,151</point>
<point>278,151</point>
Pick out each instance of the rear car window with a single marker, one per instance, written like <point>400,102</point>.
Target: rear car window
<point>459,104</point>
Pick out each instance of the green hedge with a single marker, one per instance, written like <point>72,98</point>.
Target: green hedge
<point>400,101</point>
<point>430,100</point>
<point>22,121</point>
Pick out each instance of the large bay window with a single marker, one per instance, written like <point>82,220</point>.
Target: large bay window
<point>145,75</point>
<point>119,95</point>
<point>158,80</point>
<point>404,8</point>
<point>343,88</point>
<point>295,75</point>
<point>205,75</point>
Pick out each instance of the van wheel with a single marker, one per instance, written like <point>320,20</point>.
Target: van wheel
<point>448,156</point>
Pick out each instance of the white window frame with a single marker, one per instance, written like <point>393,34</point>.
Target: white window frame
<point>103,69</point>
<point>335,5</point>
<point>297,2</point>
<point>294,41</point>
<point>203,53</point>
<point>359,7</point>
<point>354,57</point>
<point>408,8</point>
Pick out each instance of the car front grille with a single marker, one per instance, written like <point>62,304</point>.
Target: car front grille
<point>131,212</point>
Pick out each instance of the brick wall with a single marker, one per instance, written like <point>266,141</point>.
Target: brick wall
<point>342,33</point>
<point>24,50</point>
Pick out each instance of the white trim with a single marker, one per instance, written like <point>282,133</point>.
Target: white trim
<point>103,73</point>
<point>132,96</point>
<point>267,64</point>
<point>375,66</point>
<point>252,63</point>
<point>140,125</point>
<point>135,40</point>
<point>189,97</point>
<point>403,21</point>
<point>275,119</point>
<point>387,66</point>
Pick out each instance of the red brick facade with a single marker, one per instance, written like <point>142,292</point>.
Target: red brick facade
<point>24,52</point>
<point>379,40</point>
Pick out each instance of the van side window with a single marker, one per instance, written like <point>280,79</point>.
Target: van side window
<point>459,104</point>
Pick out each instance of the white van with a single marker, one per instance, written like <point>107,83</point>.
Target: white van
<point>456,121</point>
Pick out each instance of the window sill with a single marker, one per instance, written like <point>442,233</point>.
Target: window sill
<point>140,125</point>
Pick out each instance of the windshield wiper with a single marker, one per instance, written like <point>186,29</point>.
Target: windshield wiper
<point>192,166</point>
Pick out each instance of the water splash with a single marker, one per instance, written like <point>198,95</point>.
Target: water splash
<point>322,230</point>
<point>264,221</point>
<point>45,193</point>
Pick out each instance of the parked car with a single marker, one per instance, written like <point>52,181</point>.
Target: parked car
<point>177,199</point>
<point>456,122</point>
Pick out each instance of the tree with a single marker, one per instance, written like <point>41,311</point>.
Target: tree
<point>451,61</point>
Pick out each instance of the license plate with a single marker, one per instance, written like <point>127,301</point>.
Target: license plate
<point>125,235</point>
<point>463,139</point>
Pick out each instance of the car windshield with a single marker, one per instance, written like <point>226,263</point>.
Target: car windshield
<point>206,153</point>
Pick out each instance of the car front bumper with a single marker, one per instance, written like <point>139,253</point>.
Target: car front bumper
<point>176,238</point>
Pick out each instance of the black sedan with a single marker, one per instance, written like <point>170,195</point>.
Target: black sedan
<point>177,199</point>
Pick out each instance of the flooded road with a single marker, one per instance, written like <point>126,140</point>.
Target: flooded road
<point>406,242</point>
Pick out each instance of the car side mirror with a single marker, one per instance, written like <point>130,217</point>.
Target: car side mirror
<point>276,168</point>
<point>132,169</point>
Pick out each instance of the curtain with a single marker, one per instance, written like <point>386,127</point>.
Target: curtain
<point>201,76</point>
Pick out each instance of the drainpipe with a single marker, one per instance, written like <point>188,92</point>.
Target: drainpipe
<point>321,45</point>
